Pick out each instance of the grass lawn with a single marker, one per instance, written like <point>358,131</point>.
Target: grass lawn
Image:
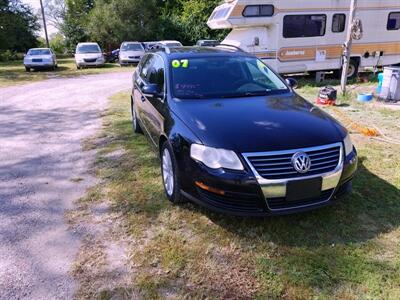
<point>12,73</point>
<point>350,250</point>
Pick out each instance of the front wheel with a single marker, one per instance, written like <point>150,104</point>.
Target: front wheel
<point>170,174</point>
<point>135,125</point>
<point>27,69</point>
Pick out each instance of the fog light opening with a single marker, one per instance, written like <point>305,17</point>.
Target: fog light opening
<point>210,189</point>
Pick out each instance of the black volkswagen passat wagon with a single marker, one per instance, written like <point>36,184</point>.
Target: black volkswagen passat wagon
<point>234,137</point>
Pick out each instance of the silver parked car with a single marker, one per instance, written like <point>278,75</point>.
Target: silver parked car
<point>170,44</point>
<point>130,53</point>
<point>40,58</point>
<point>89,54</point>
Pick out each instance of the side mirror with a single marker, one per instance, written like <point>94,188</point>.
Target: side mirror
<point>151,90</point>
<point>292,83</point>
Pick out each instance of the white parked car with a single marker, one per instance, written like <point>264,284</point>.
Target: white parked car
<point>89,54</point>
<point>130,53</point>
<point>40,58</point>
<point>171,43</point>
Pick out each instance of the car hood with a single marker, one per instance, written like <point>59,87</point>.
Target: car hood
<point>131,53</point>
<point>88,55</point>
<point>258,124</point>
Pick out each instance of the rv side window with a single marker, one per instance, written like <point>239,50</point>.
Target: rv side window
<point>394,21</point>
<point>338,22</point>
<point>258,11</point>
<point>298,26</point>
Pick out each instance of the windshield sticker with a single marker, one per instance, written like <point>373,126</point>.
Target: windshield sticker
<point>261,66</point>
<point>183,63</point>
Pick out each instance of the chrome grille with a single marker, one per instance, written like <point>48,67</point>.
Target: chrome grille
<point>278,165</point>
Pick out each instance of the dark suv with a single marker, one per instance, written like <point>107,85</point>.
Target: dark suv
<point>234,137</point>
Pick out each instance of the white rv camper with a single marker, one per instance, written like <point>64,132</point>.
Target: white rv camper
<point>308,35</point>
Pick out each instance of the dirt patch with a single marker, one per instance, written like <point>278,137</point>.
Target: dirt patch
<point>103,265</point>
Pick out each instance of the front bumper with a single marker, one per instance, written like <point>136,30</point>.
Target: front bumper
<point>38,65</point>
<point>248,195</point>
<point>90,64</point>
<point>128,61</point>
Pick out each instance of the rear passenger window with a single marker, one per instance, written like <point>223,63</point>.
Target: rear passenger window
<point>338,22</point>
<point>394,21</point>
<point>298,26</point>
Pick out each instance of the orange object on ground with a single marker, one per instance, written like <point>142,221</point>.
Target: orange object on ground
<point>360,128</point>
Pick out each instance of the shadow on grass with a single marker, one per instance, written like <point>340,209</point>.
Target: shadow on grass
<point>372,209</point>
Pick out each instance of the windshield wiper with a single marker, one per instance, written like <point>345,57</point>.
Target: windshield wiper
<point>246,94</point>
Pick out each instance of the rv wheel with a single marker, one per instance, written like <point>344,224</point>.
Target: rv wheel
<point>353,69</point>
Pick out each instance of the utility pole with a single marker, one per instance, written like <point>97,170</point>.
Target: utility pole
<point>44,25</point>
<point>347,46</point>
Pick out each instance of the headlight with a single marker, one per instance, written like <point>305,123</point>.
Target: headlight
<point>216,158</point>
<point>348,145</point>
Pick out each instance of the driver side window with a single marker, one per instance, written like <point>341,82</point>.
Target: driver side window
<point>156,73</point>
<point>152,72</point>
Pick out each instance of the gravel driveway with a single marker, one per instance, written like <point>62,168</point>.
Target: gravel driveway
<point>42,171</point>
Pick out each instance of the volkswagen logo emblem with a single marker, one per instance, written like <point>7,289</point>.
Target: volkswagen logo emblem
<point>301,162</point>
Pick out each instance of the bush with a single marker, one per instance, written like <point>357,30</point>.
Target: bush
<point>8,55</point>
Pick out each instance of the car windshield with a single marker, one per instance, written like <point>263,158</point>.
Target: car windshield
<point>223,77</point>
<point>131,47</point>
<point>88,49</point>
<point>34,52</point>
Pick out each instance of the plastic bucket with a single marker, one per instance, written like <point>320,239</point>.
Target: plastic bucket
<point>365,97</point>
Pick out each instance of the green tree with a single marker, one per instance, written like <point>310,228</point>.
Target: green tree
<point>113,21</point>
<point>75,21</point>
<point>57,43</point>
<point>192,20</point>
<point>18,26</point>
<point>186,20</point>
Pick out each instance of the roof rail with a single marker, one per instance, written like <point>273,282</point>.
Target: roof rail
<point>230,46</point>
<point>158,47</point>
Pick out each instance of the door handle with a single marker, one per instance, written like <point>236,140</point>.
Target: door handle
<point>143,98</point>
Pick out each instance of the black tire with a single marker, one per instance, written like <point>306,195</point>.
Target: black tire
<point>78,67</point>
<point>353,69</point>
<point>135,124</point>
<point>27,69</point>
<point>175,197</point>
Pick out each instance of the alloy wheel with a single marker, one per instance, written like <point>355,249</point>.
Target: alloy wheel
<point>168,172</point>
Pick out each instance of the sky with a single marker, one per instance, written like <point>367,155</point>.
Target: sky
<point>36,6</point>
